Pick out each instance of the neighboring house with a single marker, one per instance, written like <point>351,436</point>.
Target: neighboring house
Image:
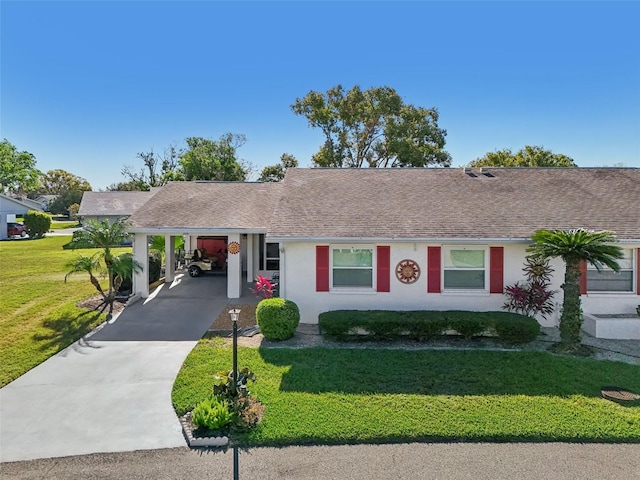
<point>9,208</point>
<point>45,201</point>
<point>111,206</point>
<point>403,239</point>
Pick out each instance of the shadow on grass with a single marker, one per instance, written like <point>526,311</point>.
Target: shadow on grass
<point>64,329</point>
<point>446,372</point>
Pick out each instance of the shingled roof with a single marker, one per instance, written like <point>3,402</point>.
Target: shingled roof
<point>112,203</point>
<point>444,203</point>
<point>209,205</point>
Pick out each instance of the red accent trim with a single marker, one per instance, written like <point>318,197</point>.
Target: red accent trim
<point>638,271</point>
<point>383,273</point>
<point>583,277</point>
<point>322,268</point>
<point>433,269</point>
<point>496,269</point>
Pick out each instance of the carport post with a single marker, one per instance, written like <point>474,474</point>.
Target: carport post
<point>170,258</point>
<point>141,255</point>
<point>234,266</point>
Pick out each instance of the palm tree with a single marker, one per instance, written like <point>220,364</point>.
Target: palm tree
<point>575,246</point>
<point>118,267</point>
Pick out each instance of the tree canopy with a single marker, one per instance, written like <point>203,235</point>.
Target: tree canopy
<point>156,171</point>
<point>18,172</point>
<point>529,156</point>
<point>372,128</point>
<point>57,182</point>
<point>275,173</point>
<point>207,159</point>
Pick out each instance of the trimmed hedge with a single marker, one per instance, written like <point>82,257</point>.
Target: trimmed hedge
<point>426,324</point>
<point>277,318</point>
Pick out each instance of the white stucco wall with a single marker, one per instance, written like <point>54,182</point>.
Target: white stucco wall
<point>298,283</point>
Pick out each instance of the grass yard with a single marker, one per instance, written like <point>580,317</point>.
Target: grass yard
<point>57,225</point>
<point>38,316</point>
<point>341,395</point>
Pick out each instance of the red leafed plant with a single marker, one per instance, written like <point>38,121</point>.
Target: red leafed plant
<point>265,288</point>
<point>532,297</point>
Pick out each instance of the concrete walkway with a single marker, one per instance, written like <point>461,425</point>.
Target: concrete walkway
<point>111,391</point>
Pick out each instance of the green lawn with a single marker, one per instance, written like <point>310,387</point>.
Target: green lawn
<point>57,225</point>
<point>324,395</point>
<point>38,316</point>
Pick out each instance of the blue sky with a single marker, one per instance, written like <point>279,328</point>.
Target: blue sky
<point>85,86</point>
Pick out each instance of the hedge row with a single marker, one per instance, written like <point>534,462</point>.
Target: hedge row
<point>425,324</point>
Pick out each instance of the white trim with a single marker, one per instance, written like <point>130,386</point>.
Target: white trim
<point>386,240</point>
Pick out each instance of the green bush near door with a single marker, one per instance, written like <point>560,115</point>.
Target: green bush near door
<point>277,318</point>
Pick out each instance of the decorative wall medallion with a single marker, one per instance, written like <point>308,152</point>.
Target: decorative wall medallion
<point>407,271</point>
<point>234,248</point>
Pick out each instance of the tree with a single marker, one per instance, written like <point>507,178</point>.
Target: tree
<point>372,128</point>
<point>574,247</point>
<point>18,172</point>
<point>157,170</point>
<point>130,186</point>
<point>118,268</point>
<point>62,204</point>
<point>275,173</point>
<point>57,182</point>
<point>207,159</point>
<point>527,157</point>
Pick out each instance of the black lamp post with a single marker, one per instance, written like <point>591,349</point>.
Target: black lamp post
<point>234,315</point>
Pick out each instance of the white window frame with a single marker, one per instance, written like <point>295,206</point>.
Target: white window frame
<point>354,288</point>
<point>634,276</point>
<point>448,248</point>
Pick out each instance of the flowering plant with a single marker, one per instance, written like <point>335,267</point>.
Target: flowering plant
<point>265,288</point>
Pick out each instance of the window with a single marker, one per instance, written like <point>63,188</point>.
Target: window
<point>268,254</point>
<point>273,256</point>
<point>464,268</point>
<point>352,267</point>
<point>609,281</point>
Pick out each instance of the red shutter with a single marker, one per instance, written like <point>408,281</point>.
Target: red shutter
<point>638,272</point>
<point>383,273</point>
<point>322,268</point>
<point>433,269</point>
<point>583,277</point>
<point>496,269</point>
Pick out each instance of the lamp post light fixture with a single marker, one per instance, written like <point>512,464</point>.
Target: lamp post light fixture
<point>235,315</point>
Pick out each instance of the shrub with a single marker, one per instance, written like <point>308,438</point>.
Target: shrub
<point>533,297</point>
<point>155,265</point>
<point>469,326</point>
<point>277,318</point>
<point>211,414</point>
<point>248,413</point>
<point>223,383</point>
<point>521,329</point>
<point>424,325</point>
<point>37,223</point>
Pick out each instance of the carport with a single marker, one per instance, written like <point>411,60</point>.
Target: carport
<point>9,208</point>
<point>236,211</point>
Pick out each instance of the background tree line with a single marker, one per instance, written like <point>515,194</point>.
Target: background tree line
<point>371,128</point>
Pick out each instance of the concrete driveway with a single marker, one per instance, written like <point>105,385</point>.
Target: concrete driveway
<point>111,391</point>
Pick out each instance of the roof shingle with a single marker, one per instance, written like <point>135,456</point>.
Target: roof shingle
<point>436,203</point>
